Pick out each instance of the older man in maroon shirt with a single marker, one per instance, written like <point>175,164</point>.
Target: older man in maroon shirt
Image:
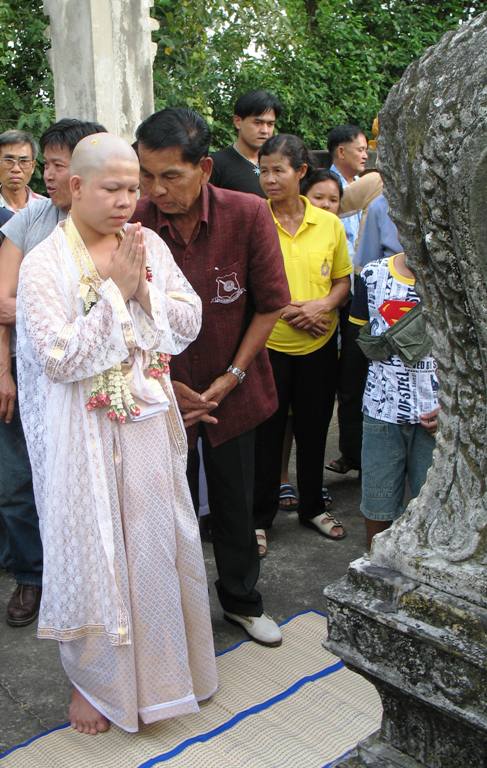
<point>226,244</point>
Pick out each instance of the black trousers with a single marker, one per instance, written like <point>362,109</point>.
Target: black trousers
<point>229,472</point>
<point>20,541</point>
<point>307,384</point>
<point>352,375</point>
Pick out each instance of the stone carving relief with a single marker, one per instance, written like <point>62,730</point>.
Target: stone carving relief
<point>433,156</point>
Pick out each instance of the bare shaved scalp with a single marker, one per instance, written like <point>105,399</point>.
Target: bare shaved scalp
<point>93,153</point>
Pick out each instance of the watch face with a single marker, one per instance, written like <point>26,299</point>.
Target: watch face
<point>236,372</point>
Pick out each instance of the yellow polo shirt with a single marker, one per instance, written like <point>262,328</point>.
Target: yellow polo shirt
<point>315,256</point>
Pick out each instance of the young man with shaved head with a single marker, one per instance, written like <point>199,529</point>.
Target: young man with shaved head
<point>101,305</point>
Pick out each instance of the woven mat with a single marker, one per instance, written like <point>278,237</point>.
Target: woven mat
<point>296,706</point>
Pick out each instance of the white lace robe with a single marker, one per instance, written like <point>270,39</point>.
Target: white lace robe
<point>124,578</point>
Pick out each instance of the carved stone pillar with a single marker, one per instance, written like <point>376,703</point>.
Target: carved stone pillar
<point>426,653</point>
<point>101,57</point>
<point>413,618</point>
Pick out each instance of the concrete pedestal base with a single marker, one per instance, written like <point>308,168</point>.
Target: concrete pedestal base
<point>426,653</point>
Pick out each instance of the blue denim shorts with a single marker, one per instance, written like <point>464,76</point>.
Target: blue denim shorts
<point>392,453</point>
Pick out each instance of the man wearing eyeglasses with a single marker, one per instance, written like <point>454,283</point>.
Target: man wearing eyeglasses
<point>18,152</point>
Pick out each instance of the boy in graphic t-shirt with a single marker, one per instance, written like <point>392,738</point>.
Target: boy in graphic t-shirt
<point>400,402</point>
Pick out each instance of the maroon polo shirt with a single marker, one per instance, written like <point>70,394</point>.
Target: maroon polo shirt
<point>234,263</point>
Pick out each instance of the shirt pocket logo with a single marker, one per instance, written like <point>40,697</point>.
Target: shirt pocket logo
<point>325,269</point>
<point>228,289</point>
<point>320,265</point>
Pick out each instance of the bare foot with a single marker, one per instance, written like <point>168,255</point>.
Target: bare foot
<point>84,717</point>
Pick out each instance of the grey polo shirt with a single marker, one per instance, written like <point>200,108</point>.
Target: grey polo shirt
<point>28,228</point>
<point>33,224</point>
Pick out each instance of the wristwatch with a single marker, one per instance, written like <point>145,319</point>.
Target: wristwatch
<point>237,372</point>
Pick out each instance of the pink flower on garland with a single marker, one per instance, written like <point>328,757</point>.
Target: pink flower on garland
<point>159,365</point>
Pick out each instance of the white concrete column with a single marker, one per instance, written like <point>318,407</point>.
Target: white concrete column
<point>101,56</point>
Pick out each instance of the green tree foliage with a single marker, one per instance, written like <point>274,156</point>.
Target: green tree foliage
<point>26,91</point>
<point>330,61</point>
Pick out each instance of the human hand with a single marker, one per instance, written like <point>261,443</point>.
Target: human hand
<point>127,261</point>
<point>221,387</point>
<point>429,421</point>
<point>321,327</point>
<point>8,394</point>
<point>194,406</point>
<point>289,313</point>
<point>142,293</point>
<point>304,315</point>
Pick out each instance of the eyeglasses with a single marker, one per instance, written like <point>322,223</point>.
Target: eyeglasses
<point>10,161</point>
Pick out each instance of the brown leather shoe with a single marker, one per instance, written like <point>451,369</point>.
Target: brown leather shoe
<point>23,606</point>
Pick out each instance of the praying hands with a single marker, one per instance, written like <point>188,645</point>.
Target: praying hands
<point>127,266</point>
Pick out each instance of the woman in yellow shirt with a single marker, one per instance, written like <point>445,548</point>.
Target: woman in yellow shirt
<point>323,189</point>
<point>303,344</point>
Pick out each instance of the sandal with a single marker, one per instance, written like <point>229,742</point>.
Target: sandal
<point>341,466</point>
<point>261,537</point>
<point>324,524</point>
<point>326,497</point>
<point>287,493</point>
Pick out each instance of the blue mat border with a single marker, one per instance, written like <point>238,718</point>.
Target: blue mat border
<point>163,757</point>
<point>243,715</point>
<point>34,738</point>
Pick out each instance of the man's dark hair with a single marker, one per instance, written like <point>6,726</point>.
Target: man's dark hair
<point>19,137</point>
<point>256,103</point>
<point>68,132</point>
<point>342,134</point>
<point>176,127</point>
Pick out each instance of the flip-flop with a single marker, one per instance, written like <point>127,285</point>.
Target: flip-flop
<point>324,524</point>
<point>341,466</point>
<point>288,491</point>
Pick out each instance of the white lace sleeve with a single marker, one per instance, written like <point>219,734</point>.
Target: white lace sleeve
<point>66,346</point>
<point>175,307</point>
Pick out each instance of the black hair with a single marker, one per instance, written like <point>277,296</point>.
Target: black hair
<point>320,174</point>
<point>342,134</point>
<point>19,137</point>
<point>176,127</point>
<point>256,103</point>
<point>291,147</point>
<point>68,132</point>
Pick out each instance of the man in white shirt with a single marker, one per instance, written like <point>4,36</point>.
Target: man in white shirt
<point>18,153</point>
<point>347,146</point>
